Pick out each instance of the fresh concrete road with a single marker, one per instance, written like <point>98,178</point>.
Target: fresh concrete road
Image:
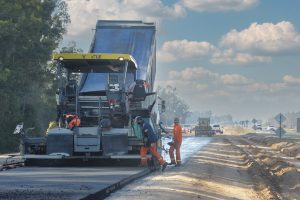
<point>59,183</point>
<point>76,182</point>
<point>190,145</point>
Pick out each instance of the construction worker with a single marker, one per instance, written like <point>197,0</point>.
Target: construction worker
<point>72,121</point>
<point>150,139</point>
<point>177,140</point>
<point>60,106</point>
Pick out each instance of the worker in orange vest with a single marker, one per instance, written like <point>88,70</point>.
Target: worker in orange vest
<point>177,140</point>
<point>150,139</point>
<point>73,121</point>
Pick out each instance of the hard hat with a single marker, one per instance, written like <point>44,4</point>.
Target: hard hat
<point>70,116</point>
<point>176,120</point>
<point>139,120</point>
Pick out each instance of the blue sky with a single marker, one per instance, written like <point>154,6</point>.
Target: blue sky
<point>238,57</point>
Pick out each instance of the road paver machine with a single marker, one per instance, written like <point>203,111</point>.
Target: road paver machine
<point>106,88</point>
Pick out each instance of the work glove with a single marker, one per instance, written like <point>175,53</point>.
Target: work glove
<point>171,143</point>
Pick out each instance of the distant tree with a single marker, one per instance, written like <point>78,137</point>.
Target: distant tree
<point>175,107</point>
<point>71,48</point>
<point>29,31</point>
<point>247,123</point>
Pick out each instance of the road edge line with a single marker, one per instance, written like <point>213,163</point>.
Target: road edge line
<point>105,192</point>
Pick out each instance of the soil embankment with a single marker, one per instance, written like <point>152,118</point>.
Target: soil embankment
<point>217,171</point>
<point>235,166</point>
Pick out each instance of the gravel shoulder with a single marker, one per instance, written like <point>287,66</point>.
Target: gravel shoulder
<point>218,171</point>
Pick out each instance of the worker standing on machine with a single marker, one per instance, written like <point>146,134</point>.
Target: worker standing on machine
<point>58,106</point>
<point>72,121</point>
<point>150,139</point>
<point>177,140</point>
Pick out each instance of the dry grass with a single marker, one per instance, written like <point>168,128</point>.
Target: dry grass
<point>236,130</point>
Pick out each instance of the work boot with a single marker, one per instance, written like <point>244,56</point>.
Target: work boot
<point>178,164</point>
<point>172,162</point>
<point>164,166</point>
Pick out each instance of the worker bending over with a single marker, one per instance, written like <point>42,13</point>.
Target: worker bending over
<point>150,139</point>
<point>72,121</point>
<point>177,137</point>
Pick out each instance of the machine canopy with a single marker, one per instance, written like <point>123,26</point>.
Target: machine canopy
<point>96,62</point>
<point>136,38</point>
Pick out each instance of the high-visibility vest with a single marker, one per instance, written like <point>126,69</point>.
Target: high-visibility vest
<point>75,121</point>
<point>177,132</point>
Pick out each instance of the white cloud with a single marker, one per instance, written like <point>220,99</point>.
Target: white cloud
<point>229,56</point>
<point>195,74</point>
<point>204,89</point>
<point>175,50</point>
<point>219,5</point>
<point>264,87</point>
<point>184,49</point>
<point>190,80</point>
<point>84,14</point>
<point>264,38</point>
<point>181,85</point>
<point>256,44</point>
<point>291,79</point>
<point>234,79</point>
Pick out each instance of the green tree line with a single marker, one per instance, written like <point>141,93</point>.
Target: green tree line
<point>29,32</point>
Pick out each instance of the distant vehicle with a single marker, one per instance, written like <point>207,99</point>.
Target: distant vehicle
<point>187,128</point>
<point>271,128</point>
<point>217,128</point>
<point>257,127</point>
<point>203,128</point>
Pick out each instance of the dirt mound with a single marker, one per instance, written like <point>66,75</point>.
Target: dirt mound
<point>289,147</point>
<point>284,172</point>
<point>232,130</point>
<point>292,151</point>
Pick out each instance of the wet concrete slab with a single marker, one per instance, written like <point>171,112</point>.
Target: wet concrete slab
<point>76,182</point>
<point>189,146</point>
<point>60,183</point>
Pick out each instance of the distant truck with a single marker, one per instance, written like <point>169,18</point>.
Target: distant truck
<point>217,128</point>
<point>257,127</point>
<point>203,128</point>
<point>187,128</point>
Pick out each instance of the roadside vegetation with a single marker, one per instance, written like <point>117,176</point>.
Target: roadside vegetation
<point>29,32</point>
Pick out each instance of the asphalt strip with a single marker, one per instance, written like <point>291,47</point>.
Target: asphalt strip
<point>105,192</point>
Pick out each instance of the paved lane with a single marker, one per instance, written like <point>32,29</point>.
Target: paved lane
<point>190,145</point>
<point>60,183</point>
<point>75,182</point>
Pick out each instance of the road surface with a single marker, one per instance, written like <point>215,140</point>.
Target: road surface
<point>217,171</point>
<point>73,182</point>
<point>252,166</point>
